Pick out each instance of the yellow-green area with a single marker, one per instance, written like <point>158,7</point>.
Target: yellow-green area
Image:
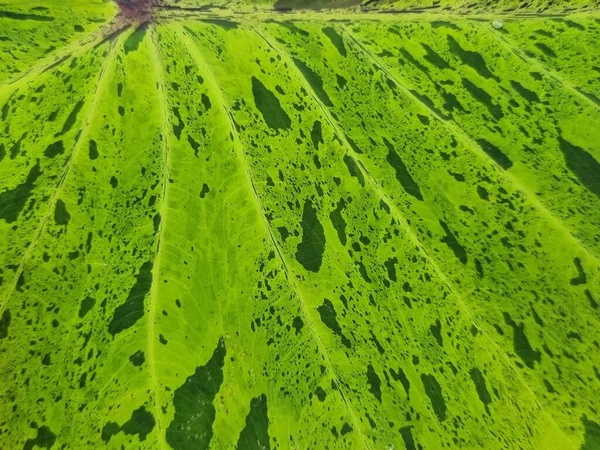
<point>528,7</point>
<point>31,30</point>
<point>310,230</point>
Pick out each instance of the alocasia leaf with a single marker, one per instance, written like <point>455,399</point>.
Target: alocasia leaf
<point>231,225</point>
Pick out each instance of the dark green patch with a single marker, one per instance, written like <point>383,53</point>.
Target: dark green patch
<point>191,427</point>
<point>423,119</point>
<point>270,108</point>
<point>407,437</point>
<point>581,277</point>
<point>549,387</point>
<point>434,58</point>
<point>255,435</point>
<point>401,376</point>
<point>591,299</point>
<point>156,222</point>
<point>591,97</point>
<point>591,437</point>
<point>582,164</point>
<point>141,423</point>
<point>528,95</point>
<point>71,119</point>
<point>346,428</point>
<point>109,430</point>
<point>287,5</point>
<point>544,33</point>
<point>354,169</point>
<point>225,24</point>
<point>13,200</point>
<point>315,82</point>
<point>284,233</point>
<point>195,145</point>
<point>298,324</point>
<point>310,251</point>
<point>471,59</point>
<point>545,50</point>
<point>329,318</point>
<point>374,382</point>
<point>403,176</point>
<point>320,393</point>
<point>353,145</point>
<point>205,190</point>
<point>436,331</point>
<point>45,439</point>
<point>434,392</point>
<point>6,108</point>
<point>179,126</point>
<point>93,150</point>
<point>86,305</point>
<point>338,221</point>
<point>16,148</point>
<point>5,323</point>
<point>451,241</point>
<point>451,103</point>
<point>20,16</point>
<point>411,59</point>
<point>315,134</point>
<point>61,214</point>
<point>483,193</point>
<point>390,265</point>
<point>429,104</point>
<point>483,97</point>
<point>138,358</point>
<point>363,271</point>
<point>132,43</point>
<point>444,24</point>
<point>293,28</point>
<point>206,101</point>
<point>575,25</point>
<point>495,153</point>
<point>336,40</point>
<point>480,387</point>
<point>132,310</point>
<point>521,344</point>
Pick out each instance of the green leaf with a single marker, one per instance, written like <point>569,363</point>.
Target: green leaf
<point>228,227</point>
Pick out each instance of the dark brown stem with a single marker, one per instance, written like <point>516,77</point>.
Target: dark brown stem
<point>137,10</point>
